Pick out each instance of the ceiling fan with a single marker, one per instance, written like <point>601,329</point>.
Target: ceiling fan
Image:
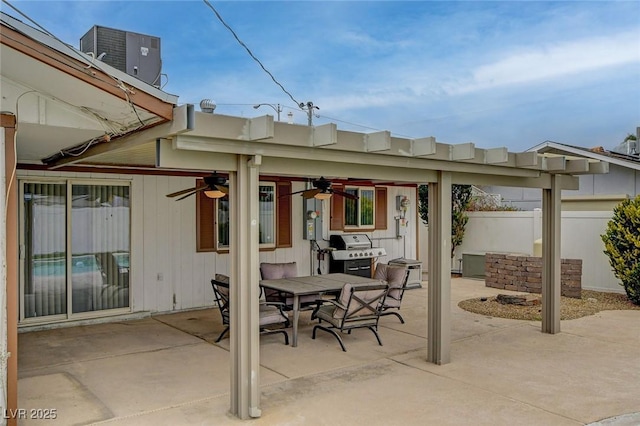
<point>322,190</point>
<point>215,187</point>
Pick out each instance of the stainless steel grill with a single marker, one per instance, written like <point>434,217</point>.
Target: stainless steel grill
<point>353,254</point>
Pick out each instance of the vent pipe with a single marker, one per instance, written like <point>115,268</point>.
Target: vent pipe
<point>207,105</point>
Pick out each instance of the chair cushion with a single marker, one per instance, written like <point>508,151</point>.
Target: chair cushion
<point>222,289</point>
<point>270,315</point>
<point>222,278</point>
<point>343,299</point>
<point>275,271</point>
<point>381,271</point>
<point>394,276</point>
<point>345,296</point>
<point>390,302</point>
<point>326,313</point>
<point>304,300</point>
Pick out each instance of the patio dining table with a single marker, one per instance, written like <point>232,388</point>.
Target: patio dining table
<point>310,285</point>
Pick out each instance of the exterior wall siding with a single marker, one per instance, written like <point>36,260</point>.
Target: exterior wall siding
<point>167,274</point>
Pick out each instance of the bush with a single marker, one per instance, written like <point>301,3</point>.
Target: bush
<point>622,246</point>
<point>460,199</point>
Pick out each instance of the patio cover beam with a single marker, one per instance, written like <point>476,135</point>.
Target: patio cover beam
<point>551,218</point>
<point>244,295</point>
<point>172,158</point>
<point>439,294</point>
<point>207,144</point>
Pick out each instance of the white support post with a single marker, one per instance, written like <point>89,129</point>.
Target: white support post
<point>439,294</point>
<point>244,289</point>
<point>551,218</point>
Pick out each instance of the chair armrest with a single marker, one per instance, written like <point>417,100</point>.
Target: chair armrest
<point>330,302</point>
<point>321,302</point>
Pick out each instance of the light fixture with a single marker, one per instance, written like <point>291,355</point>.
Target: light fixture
<point>322,196</point>
<point>214,193</point>
<point>276,108</point>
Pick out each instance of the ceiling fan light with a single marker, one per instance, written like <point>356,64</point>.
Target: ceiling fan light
<point>214,193</point>
<point>322,196</point>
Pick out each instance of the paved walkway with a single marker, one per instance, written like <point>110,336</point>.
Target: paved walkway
<point>166,370</point>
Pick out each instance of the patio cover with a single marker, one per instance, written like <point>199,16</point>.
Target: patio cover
<point>247,148</point>
<point>60,97</point>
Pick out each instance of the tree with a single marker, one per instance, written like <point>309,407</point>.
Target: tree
<point>460,200</point>
<point>622,246</point>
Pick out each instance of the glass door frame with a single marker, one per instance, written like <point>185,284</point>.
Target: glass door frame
<point>69,315</point>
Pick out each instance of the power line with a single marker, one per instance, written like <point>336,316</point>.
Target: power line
<point>361,125</point>
<point>119,84</point>
<point>249,52</point>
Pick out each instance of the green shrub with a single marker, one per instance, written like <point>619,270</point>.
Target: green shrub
<point>622,246</point>
<point>460,199</point>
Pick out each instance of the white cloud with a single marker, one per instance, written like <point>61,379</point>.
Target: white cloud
<point>554,62</point>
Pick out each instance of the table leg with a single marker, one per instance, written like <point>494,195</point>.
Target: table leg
<point>296,315</point>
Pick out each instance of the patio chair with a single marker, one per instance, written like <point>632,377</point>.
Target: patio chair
<point>276,271</point>
<point>271,314</point>
<point>397,278</point>
<point>356,307</point>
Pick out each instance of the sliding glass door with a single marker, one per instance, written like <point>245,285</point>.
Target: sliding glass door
<point>74,248</point>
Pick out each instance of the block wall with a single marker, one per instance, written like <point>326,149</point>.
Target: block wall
<point>524,273</point>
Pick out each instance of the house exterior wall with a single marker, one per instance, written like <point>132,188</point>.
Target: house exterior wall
<point>619,181</point>
<point>167,274</point>
<point>516,232</point>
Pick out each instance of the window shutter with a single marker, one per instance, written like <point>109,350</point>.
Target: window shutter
<point>337,210</point>
<point>381,208</point>
<point>283,214</point>
<point>205,221</point>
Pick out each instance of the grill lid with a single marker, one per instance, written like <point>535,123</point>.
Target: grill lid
<point>350,241</point>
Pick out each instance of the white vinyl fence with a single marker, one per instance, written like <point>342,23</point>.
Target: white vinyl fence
<point>516,232</point>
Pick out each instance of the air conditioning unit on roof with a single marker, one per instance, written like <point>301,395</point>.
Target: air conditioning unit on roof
<point>135,54</point>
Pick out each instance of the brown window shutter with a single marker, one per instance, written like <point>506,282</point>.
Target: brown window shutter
<point>381,208</point>
<point>284,236</point>
<point>205,221</point>
<point>337,210</point>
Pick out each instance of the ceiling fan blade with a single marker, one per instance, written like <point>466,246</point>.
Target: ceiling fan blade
<point>310,193</point>
<point>194,191</point>
<point>345,195</point>
<point>292,193</point>
<point>184,191</point>
<point>222,189</point>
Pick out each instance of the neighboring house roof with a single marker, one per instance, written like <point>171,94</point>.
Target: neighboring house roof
<point>599,153</point>
<point>64,98</point>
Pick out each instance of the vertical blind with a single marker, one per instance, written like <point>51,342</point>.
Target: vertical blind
<point>45,249</point>
<point>94,270</point>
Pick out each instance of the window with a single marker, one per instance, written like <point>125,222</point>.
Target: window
<point>359,213</point>
<point>76,242</point>
<point>369,211</point>
<point>274,216</point>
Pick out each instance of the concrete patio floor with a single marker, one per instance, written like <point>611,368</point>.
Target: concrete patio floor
<point>166,369</point>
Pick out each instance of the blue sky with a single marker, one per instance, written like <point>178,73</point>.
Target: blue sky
<point>511,74</point>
